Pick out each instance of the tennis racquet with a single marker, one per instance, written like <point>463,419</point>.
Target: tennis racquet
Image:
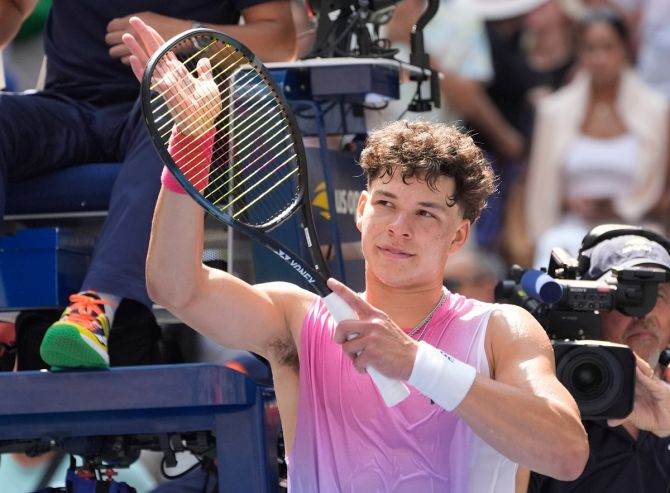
<point>229,138</point>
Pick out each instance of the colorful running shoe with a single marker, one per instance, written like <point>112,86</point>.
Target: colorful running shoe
<point>79,338</point>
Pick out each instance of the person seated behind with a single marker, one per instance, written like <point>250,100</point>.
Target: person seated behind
<point>87,112</point>
<point>426,185</point>
<point>630,454</point>
<point>600,146</point>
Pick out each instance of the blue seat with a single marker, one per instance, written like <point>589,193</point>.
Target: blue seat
<point>49,240</point>
<point>82,189</point>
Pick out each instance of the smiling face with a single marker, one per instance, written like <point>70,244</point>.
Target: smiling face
<point>408,230</point>
<point>647,336</point>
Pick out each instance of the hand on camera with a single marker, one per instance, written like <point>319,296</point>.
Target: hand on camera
<point>651,410</point>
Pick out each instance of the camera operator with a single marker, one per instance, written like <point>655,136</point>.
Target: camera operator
<point>631,454</point>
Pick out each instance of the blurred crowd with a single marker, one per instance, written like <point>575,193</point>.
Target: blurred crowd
<point>569,98</point>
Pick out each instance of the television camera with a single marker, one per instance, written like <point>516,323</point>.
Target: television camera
<point>600,375</point>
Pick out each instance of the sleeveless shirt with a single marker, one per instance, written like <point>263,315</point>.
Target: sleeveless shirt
<point>348,440</point>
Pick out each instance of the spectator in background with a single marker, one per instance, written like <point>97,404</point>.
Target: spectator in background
<point>509,91</point>
<point>549,36</point>
<point>549,43</point>
<point>305,27</point>
<point>599,147</point>
<point>456,43</point>
<point>474,273</point>
<point>87,112</point>
<point>651,24</point>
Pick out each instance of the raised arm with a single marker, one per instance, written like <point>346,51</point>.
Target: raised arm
<point>12,15</point>
<point>217,304</point>
<point>268,30</point>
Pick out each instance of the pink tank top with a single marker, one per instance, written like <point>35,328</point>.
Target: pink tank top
<point>347,440</point>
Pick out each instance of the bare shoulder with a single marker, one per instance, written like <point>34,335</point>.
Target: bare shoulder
<point>514,337</point>
<point>513,323</point>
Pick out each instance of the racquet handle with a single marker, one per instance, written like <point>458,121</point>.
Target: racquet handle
<point>392,391</point>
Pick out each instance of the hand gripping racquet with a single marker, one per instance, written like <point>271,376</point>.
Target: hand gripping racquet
<point>231,141</point>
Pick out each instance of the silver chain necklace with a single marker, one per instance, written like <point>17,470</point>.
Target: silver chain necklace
<point>423,325</point>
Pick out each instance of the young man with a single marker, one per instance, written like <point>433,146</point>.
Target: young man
<point>472,416</point>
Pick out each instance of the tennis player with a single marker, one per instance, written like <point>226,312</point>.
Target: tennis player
<point>484,395</point>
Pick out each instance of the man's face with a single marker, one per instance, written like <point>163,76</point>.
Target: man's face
<point>408,230</point>
<point>647,336</point>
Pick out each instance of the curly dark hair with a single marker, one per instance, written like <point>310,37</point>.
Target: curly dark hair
<point>426,151</point>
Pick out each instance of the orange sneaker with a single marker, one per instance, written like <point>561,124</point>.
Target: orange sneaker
<point>79,338</point>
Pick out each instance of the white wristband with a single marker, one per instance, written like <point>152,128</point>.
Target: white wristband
<point>441,377</point>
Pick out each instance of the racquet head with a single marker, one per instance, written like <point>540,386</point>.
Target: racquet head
<point>213,90</point>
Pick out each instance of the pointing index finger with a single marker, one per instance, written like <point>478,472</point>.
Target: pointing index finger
<point>362,308</point>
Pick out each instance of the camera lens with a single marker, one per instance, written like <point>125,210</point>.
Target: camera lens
<point>592,376</point>
<point>588,378</point>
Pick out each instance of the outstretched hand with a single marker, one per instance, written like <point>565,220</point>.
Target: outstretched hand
<point>194,102</point>
<point>651,410</point>
<point>373,339</point>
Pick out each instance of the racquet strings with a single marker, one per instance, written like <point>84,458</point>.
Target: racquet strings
<point>254,175</point>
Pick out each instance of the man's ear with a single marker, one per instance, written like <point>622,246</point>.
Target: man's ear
<point>362,201</point>
<point>461,236</point>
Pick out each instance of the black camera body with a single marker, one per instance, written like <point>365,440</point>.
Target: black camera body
<point>599,375</point>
